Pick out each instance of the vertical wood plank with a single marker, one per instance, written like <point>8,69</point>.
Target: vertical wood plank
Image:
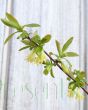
<point>86,48</point>
<point>5,61</point>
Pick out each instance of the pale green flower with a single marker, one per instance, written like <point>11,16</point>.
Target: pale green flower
<point>37,59</point>
<point>31,57</point>
<point>40,58</point>
<point>79,95</point>
<point>70,93</point>
<point>76,94</point>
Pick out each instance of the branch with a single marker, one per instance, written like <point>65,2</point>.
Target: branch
<point>57,64</point>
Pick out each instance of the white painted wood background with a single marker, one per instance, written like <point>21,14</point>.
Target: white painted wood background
<point>25,87</point>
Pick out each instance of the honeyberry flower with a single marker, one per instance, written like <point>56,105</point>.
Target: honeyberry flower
<point>76,94</point>
<point>70,93</point>
<point>40,58</point>
<point>79,95</point>
<point>37,59</point>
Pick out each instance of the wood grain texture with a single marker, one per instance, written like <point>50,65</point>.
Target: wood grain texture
<point>28,88</point>
<point>5,61</point>
<point>2,36</point>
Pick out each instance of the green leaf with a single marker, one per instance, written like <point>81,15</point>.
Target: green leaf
<point>23,48</point>
<point>23,35</point>
<point>82,75</point>
<point>29,43</point>
<point>26,42</point>
<point>12,19</point>
<point>46,39</point>
<point>36,39</point>
<point>38,50</point>
<point>74,87</point>
<point>70,54</point>
<point>46,72</point>
<point>66,45</point>
<point>9,37</point>
<point>51,73</point>
<point>65,68</point>
<point>48,69</point>
<point>71,84</point>
<point>58,47</point>
<point>31,25</point>
<point>9,24</point>
<point>47,62</point>
<point>68,78</point>
<point>50,53</point>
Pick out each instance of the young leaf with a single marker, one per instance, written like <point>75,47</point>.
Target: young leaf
<point>66,45</point>
<point>7,23</point>
<point>12,19</point>
<point>70,54</point>
<point>65,68</point>
<point>23,48</point>
<point>38,50</point>
<point>31,25</point>
<point>71,84</point>
<point>23,35</point>
<point>36,39</point>
<point>58,47</point>
<point>26,42</point>
<point>11,22</point>
<point>9,37</point>
<point>68,78</point>
<point>82,75</point>
<point>46,38</point>
<point>51,73</point>
<point>47,69</point>
<point>46,72</point>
